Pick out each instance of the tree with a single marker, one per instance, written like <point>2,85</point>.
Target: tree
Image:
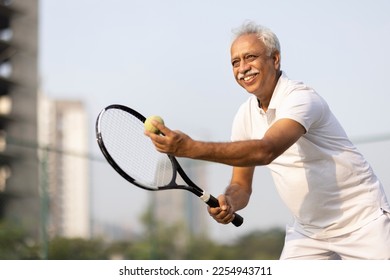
<point>266,245</point>
<point>15,244</point>
<point>76,249</point>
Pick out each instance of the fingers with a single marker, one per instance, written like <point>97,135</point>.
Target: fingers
<point>170,142</point>
<point>160,140</point>
<point>223,214</point>
<point>161,127</point>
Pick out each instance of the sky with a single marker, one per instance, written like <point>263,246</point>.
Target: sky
<point>171,58</point>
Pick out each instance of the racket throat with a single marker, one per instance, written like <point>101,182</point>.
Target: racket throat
<point>209,199</point>
<point>205,197</point>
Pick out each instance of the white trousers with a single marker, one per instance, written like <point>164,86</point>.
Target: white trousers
<point>371,242</point>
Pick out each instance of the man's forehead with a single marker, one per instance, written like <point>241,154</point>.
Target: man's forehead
<point>246,43</point>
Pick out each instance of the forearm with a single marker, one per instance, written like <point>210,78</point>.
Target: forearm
<point>237,196</point>
<point>278,138</point>
<point>240,153</point>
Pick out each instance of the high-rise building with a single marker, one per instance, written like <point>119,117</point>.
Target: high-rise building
<point>63,133</point>
<point>20,200</point>
<point>180,207</point>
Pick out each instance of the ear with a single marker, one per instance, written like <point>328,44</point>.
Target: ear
<point>276,58</point>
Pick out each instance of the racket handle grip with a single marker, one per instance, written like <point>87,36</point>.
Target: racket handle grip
<point>213,202</point>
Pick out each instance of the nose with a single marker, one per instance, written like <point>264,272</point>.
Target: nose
<point>244,67</point>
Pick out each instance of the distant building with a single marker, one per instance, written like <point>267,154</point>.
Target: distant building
<point>65,168</point>
<point>180,207</point>
<point>20,200</point>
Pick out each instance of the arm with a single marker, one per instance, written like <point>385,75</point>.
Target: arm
<point>279,137</point>
<point>243,155</point>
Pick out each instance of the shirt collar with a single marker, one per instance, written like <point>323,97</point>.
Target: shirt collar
<point>277,95</point>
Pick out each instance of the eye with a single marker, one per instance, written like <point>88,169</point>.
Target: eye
<point>250,57</point>
<point>236,63</point>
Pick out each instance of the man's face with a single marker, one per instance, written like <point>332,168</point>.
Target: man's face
<point>253,69</point>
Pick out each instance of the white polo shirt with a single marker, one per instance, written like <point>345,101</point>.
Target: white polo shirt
<point>322,178</point>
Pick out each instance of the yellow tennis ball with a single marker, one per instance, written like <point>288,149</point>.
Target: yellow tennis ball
<point>148,124</point>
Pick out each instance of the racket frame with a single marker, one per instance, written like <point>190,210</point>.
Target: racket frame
<point>176,167</point>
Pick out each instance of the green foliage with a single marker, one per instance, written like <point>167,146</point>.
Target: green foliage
<point>260,245</point>
<point>76,249</point>
<point>159,242</point>
<point>169,244</point>
<point>15,244</point>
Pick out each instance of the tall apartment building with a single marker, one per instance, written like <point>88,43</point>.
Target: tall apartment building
<point>63,130</point>
<point>19,164</point>
<point>180,207</point>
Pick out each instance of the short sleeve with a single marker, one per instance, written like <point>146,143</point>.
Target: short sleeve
<point>304,106</point>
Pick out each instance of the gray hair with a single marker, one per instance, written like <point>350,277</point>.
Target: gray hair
<point>264,34</point>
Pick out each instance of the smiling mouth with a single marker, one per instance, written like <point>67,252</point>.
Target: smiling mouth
<point>249,78</point>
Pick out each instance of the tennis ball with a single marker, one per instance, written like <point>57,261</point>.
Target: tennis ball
<point>148,124</point>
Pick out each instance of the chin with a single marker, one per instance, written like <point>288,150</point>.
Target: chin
<point>251,90</point>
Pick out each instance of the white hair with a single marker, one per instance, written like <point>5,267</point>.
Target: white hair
<point>264,34</point>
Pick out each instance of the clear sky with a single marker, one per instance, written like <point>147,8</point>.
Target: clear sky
<point>171,58</point>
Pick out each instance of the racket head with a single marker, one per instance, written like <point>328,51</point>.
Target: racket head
<point>120,136</point>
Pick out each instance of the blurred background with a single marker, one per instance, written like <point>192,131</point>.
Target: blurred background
<point>61,62</point>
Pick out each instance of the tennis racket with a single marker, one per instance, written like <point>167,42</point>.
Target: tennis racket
<point>120,136</point>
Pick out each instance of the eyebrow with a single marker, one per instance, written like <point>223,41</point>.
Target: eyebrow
<point>245,54</point>
<point>238,56</point>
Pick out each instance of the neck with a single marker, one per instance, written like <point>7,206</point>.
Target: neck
<point>264,100</point>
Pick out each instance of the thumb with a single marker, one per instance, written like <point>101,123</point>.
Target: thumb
<point>223,202</point>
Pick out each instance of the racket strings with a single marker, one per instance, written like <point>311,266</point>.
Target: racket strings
<point>124,139</point>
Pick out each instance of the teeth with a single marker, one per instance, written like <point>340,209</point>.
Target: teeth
<point>247,77</point>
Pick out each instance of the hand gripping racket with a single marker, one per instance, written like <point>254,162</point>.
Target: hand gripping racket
<point>120,136</point>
